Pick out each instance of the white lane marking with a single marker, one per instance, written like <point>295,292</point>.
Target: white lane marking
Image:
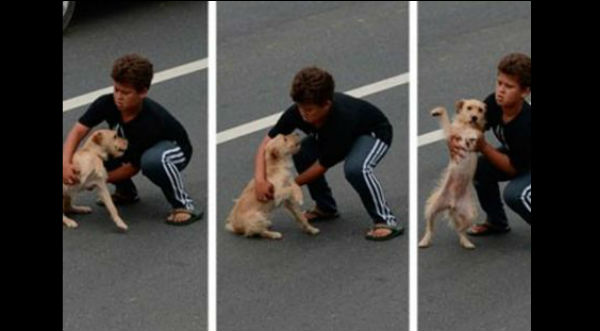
<point>162,76</point>
<point>431,137</point>
<point>265,122</point>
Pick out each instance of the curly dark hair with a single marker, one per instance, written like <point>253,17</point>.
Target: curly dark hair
<point>519,65</point>
<point>133,69</point>
<point>312,85</point>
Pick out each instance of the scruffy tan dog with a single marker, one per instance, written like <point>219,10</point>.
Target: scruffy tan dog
<point>249,216</point>
<point>92,174</point>
<point>454,193</point>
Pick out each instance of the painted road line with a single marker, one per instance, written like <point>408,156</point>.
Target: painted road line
<point>162,76</point>
<point>431,137</point>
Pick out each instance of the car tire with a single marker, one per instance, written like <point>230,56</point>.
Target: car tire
<point>68,9</point>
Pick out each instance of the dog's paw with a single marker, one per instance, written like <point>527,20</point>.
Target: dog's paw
<point>122,226</point>
<point>273,235</point>
<point>467,244</point>
<point>312,230</point>
<point>437,111</point>
<point>81,209</point>
<point>70,223</point>
<point>424,243</point>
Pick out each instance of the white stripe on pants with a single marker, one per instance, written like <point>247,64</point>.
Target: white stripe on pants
<point>376,153</point>
<point>169,159</point>
<point>526,197</point>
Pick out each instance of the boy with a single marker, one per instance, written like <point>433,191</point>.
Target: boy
<point>339,127</point>
<point>509,116</point>
<point>158,143</point>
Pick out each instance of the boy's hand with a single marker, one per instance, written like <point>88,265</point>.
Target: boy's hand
<point>70,174</point>
<point>263,190</point>
<point>481,144</point>
<point>457,151</point>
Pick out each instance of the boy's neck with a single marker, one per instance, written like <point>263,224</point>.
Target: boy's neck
<point>510,112</point>
<point>130,115</point>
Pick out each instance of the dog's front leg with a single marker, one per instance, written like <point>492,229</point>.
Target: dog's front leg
<point>67,208</point>
<point>442,114</point>
<point>294,208</point>
<point>104,195</point>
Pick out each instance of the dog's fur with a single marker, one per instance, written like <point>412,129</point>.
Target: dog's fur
<point>92,174</point>
<point>454,192</point>
<point>249,216</point>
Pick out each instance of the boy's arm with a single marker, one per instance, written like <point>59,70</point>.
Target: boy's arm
<point>313,172</point>
<point>496,158</point>
<point>123,172</point>
<point>77,133</point>
<point>263,189</point>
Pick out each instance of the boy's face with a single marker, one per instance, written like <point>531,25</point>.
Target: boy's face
<point>314,114</point>
<point>127,98</point>
<point>508,91</point>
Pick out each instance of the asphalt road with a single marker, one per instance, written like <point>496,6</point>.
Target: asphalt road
<point>154,276</point>
<point>336,280</point>
<point>460,44</point>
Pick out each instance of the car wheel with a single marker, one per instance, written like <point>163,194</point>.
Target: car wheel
<point>68,8</point>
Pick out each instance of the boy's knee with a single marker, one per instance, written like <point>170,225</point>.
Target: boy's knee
<point>149,163</point>
<point>512,197</point>
<point>354,173</point>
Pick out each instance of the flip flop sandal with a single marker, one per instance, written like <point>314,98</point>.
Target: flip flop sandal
<point>486,229</point>
<point>394,232</point>
<point>193,217</point>
<point>316,214</point>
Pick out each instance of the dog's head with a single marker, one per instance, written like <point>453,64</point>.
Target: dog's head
<point>283,146</point>
<point>109,142</point>
<point>471,112</point>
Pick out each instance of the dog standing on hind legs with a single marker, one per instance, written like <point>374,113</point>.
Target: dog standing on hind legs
<point>454,193</point>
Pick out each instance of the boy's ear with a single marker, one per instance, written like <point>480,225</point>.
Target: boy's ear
<point>459,105</point>
<point>97,138</point>
<point>526,92</point>
<point>143,93</point>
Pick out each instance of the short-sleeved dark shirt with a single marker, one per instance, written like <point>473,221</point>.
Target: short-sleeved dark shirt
<point>348,119</point>
<point>515,135</point>
<point>152,125</point>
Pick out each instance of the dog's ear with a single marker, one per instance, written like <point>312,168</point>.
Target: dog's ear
<point>97,138</point>
<point>274,153</point>
<point>459,105</point>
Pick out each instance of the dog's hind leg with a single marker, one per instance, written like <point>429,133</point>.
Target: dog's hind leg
<point>433,207</point>
<point>104,195</point>
<point>461,224</point>
<point>257,223</point>
<point>271,234</point>
<point>294,209</point>
<point>69,222</point>
<point>67,208</point>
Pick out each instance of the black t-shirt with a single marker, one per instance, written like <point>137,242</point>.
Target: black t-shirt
<point>348,119</point>
<point>515,135</point>
<point>152,125</point>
